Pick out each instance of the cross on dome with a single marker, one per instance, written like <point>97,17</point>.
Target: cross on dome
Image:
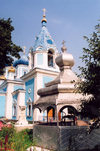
<point>63,47</point>
<point>63,42</point>
<point>24,48</point>
<point>44,12</point>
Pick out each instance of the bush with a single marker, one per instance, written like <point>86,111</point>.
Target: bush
<point>19,141</point>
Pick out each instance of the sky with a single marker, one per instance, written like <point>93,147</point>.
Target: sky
<point>67,20</point>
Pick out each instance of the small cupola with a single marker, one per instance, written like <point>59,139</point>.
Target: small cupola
<point>11,72</point>
<point>22,61</point>
<point>12,69</point>
<point>65,60</point>
<point>21,65</point>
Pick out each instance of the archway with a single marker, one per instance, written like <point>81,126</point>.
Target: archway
<point>50,114</point>
<point>67,110</point>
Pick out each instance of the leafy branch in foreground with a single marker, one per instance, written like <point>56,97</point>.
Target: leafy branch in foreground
<point>91,75</point>
<point>7,47</point>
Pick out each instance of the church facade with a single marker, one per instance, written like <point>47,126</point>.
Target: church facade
<point>22,80</point>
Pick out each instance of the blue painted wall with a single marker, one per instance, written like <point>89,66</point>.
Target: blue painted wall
<point>16,87</point>
<point>29,87</point>
<point>2,106</point>
<point>5,89</point>
<point>15,97</point>
<point>47,79</point>
<point>39,59</point>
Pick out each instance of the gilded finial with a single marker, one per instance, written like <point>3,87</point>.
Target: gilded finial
<point>44,15</point>
<point>63,47</point>
<point>24,48</point>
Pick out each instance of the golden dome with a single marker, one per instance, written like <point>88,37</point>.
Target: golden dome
<point>12,69</point>
<point>44,20</point>
<point>2,77</point>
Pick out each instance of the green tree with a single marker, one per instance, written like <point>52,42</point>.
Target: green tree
<point>91,74</point>
<point>7,47</point>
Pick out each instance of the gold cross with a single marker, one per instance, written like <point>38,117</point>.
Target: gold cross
<point>24,49</point>
<point>44,11</point>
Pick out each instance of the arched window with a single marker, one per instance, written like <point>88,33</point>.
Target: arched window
<point>29,107</point>
<point>50,58</point>
<point>14,107</point>
<point>14,111</point>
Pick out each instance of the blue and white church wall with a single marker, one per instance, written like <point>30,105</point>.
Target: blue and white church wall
<point>21,70</point>
<point>2,103</point>
<point>6,72</point>
<point>8,87</point>
<point>29,98</point>
<point>42,77</point>
<point>42,60</point>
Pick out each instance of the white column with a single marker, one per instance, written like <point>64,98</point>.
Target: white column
<point>21,108</point>
<point>8,113</point>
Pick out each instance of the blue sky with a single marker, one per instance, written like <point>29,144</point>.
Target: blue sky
<point>68,20</point>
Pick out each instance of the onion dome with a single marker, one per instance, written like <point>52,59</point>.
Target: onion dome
<point>22,61</point>
<point>2,77</point>
<point>65,59</point>
<point>11,69</point>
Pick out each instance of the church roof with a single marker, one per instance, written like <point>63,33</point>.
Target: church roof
<point>44,40</point>
<point>23,60</point>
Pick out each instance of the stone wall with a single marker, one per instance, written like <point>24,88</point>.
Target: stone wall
<point>66,138</point>
<point>46,136</point>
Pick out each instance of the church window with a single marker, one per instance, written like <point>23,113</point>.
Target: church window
<point>14,108</point>
<point>14,114</point>
<point>29,108</point>
<point>24,72</point>
<point>50,58</point>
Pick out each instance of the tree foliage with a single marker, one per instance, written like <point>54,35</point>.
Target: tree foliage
<point>91,74</point>
<point>7,47</point>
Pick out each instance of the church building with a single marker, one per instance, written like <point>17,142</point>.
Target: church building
<point>22,80</point>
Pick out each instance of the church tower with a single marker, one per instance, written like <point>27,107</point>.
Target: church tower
<point>44,50</point>
<point>42,66</point>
